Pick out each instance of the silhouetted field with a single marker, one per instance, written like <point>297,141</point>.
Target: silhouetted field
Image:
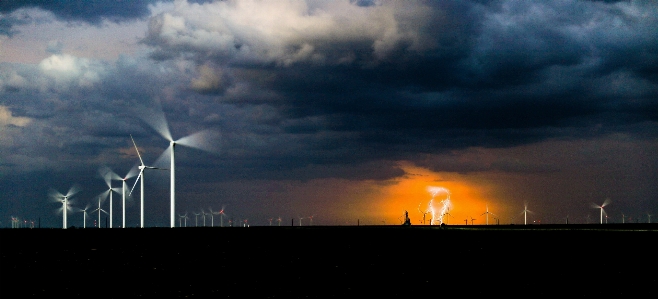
<point>339,262</point>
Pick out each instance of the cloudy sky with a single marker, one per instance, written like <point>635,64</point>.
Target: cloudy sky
<point>345,110</point>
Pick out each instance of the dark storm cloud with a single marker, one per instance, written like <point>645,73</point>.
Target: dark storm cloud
<point>90,11</point>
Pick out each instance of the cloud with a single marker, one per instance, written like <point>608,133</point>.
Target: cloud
<point>7,119</point>
<point>210,81</point>
<point>290,32</point>
<point>92,11</point>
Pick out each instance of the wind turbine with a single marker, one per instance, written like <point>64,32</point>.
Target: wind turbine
<point>525,213</point>
<point>203,214</point>
<point>487,213</point>
<point>101,210</point>
<point>141,167</point>
<point>196,219</point>
<point>310,218</point>
<point>203,140</point>
<point>131,173</point>
<point>221,216</point>
<point>279,220</point>
<point>212,217</point>
<point>424,213</point>
<point>108,175</point>
<point>64,199</point>
<point>605,203</point>
<point>84,216</point>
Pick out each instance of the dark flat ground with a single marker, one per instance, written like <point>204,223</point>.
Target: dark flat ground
<point>332,262</point>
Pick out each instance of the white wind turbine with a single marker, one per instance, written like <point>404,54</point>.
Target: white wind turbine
<point>108,175</point>
<point>525,213</point>
<point>221,216</point>
<point>196,219</point>
<point>279,221</point>
<point>212,216</point>
<point>84,215</point>
<point>99,212</point>
<point>133,172</point>
<point>605,203</point>
<point>184,218</point>
<point>64,199</point>
<point>203,214</point>
<point>141,167</point>
<point>487,213</point>
<point>203,140</point>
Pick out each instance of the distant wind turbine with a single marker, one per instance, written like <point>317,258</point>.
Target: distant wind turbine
<point>605,203</point>
<point>525,213</point>
<point>130,174</point>
<point>84,216</point>
<point>99,212</point>
<point>108,175</point>
<point>221,216</point>
<point>212,216</point>
<point>203,213</point>
<point>64,199</point>
<point>487,213</point>
<point>142,167</point>
<point>196,219</point>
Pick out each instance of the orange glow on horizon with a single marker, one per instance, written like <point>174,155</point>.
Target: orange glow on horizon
<point>468,199</point>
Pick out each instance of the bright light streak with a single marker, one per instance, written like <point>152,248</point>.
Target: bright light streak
<point>442,206</point>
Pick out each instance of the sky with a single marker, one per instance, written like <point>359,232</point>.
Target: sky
<point>347,111</point>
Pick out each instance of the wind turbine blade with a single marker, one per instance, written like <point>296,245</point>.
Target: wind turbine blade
<point>55,194</point>
<point>137,180</point>
<point>155,118</point>
<point>151,167</point>
<point>606,202</point>
<point>136,149</point>
<point>74,189</point>
<point>132,172</point>
<point>595,206</point>
<point>164,159</point>
<point>108,175</point>
<point>206,140</point>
